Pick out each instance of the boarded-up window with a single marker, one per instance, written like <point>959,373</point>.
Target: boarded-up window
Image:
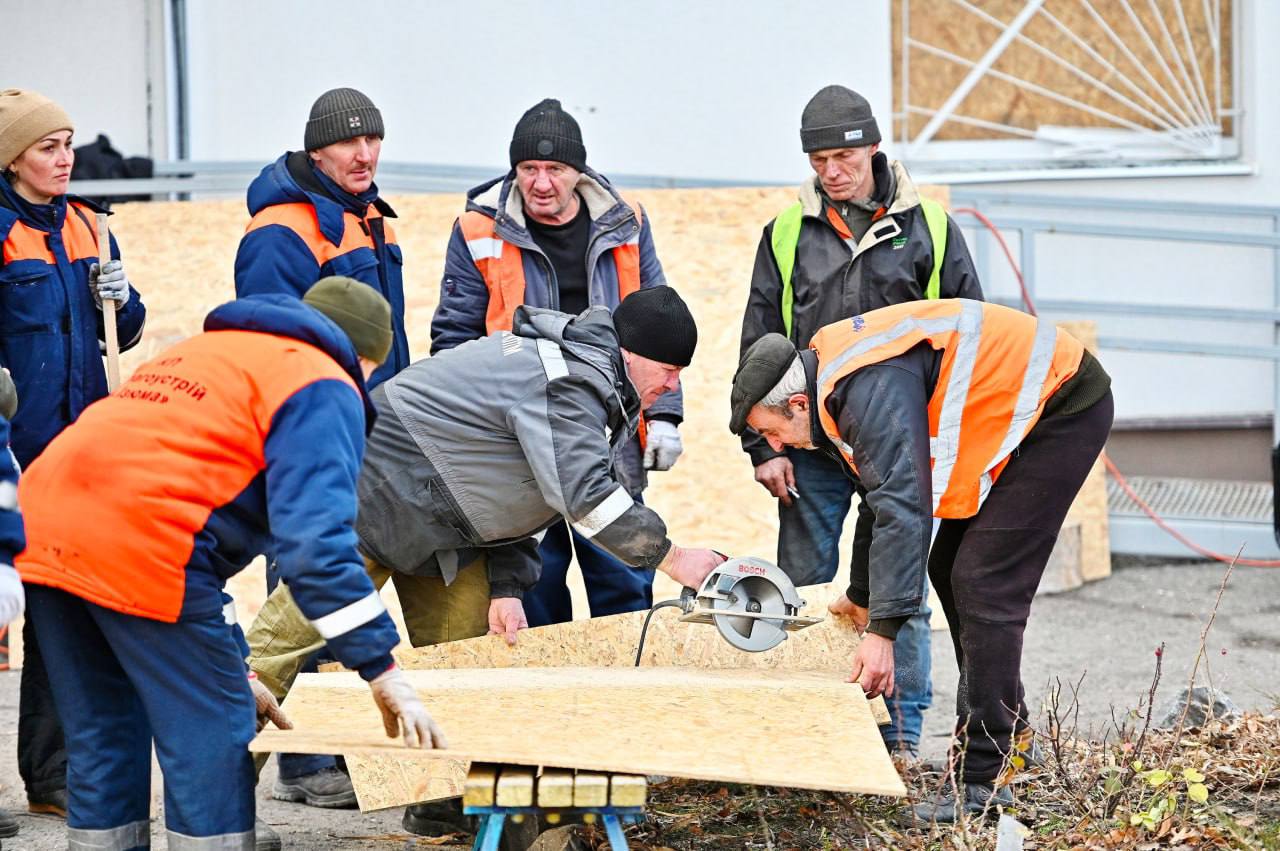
<point>1064,82</point>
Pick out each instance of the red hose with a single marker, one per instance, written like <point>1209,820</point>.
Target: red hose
<point>1111,467</point>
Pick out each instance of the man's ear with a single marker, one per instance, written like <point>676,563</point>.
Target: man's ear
<point>799,400</point>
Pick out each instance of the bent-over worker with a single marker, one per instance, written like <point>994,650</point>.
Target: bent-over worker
<point>480,448</point>
<point>977,414</point>
<point>250,432</point>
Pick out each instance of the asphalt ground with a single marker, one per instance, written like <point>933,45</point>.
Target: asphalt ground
<point>1102,637</point>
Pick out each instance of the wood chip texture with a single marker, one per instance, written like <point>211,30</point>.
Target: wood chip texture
<point>779,728</point>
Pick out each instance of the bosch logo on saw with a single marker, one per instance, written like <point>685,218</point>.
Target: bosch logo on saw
<point>753,569</point>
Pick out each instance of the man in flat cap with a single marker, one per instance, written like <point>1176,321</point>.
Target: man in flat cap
<point>979,415</point>
<point>859,237</point>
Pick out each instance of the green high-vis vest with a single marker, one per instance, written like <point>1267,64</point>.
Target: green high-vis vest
<point>786,235</point>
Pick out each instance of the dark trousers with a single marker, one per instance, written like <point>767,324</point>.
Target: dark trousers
<point>986,569</point>
<point>42,754</point>
<point>612,586</point>
<point>124,682</point>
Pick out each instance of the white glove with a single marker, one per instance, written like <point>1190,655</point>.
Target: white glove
<point>12,598</point>
<point>662,445</point>
<point>402,710</point>
<point>267,705</point>
<point>108,281</point>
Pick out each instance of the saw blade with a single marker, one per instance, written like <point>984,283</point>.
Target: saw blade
<point>752,594</point>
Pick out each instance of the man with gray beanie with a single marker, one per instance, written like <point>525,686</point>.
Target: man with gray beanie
<point>860,237</point>
<point>316,212</point>
<point>480,449</point>
<point>553,233</point>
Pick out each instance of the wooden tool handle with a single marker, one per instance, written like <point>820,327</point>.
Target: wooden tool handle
<point>108,308</point>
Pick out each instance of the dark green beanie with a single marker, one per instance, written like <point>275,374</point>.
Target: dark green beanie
<point>358,309</point>
<point>8,395</point>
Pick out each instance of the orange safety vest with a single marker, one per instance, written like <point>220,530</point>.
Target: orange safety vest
<point>999,366</point>
<point>502,267</point>
<point>301,218</point>
<point>79,238</point>
<point>187,434</point>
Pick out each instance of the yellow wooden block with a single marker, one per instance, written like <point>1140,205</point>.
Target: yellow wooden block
<point>590,789</point>
<point>477,789</point>
<point>555,788</point>
<point>515,787</point>
<point>627,790</point>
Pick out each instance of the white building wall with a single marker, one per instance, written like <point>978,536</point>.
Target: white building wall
<point>712,89</point>
<point>103,61</point>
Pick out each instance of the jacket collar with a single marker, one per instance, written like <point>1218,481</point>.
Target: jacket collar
<point>895,191</point>
<point>817,434</point>
<point>288,316</point>
<point>291,179</point>
<point>500,200</point>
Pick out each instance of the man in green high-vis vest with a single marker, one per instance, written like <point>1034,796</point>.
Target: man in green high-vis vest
<point>860,237</point>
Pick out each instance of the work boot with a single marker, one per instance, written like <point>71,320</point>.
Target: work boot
<point>264,838</point>
<point>945,808</point>
<point>8,824</point>
<point>328,788</point>
<point>48,803</point>
<point>437,818</point>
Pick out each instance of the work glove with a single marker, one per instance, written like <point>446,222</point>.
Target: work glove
<point>402,710</point>
<point>267,705</point>
<point>108,281</point>
<point>12,598</point>
<point>662,445</point>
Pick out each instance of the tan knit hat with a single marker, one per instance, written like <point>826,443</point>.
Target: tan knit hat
<point>26,117</point>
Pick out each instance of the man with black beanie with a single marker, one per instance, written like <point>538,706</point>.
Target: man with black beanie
<point>478,450</point>
<point>860,237</point>
<point>552,233</point>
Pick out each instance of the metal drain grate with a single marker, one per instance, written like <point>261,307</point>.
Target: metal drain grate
<point>1199,499</point>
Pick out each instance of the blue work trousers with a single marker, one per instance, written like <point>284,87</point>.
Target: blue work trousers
<point>809,551</point>
<point>613,587</point>
<point>122,682</point>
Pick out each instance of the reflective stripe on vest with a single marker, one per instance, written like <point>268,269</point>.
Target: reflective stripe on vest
<point>999,366</point>
<point>501,264</point>
<point>786,236</point>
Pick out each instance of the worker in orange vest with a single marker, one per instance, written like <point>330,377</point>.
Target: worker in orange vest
<point>248,434</point>
<point>979,415</point>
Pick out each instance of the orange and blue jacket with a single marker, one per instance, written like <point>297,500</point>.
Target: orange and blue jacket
<point>50,328</point>
<point>246,436</point>
<point>305,227</point>
<point>12,539</point>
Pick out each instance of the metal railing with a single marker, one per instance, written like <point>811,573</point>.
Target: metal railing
<point>1203,521</point>
<point>995,206</point>
<point>178,179</point>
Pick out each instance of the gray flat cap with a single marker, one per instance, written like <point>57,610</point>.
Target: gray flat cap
<point>760,370</point>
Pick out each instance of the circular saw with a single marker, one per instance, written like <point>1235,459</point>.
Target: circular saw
<point>750,601</point>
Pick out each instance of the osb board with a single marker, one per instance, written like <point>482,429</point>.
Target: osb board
<point>959,31</point>
<point>1090,506</point>
<point>388,780</point>
<point>807,730</point>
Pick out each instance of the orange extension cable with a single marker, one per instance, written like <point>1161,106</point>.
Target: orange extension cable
<point>1110,465</point>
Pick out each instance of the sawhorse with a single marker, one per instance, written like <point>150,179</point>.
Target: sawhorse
<point>496,793</point>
